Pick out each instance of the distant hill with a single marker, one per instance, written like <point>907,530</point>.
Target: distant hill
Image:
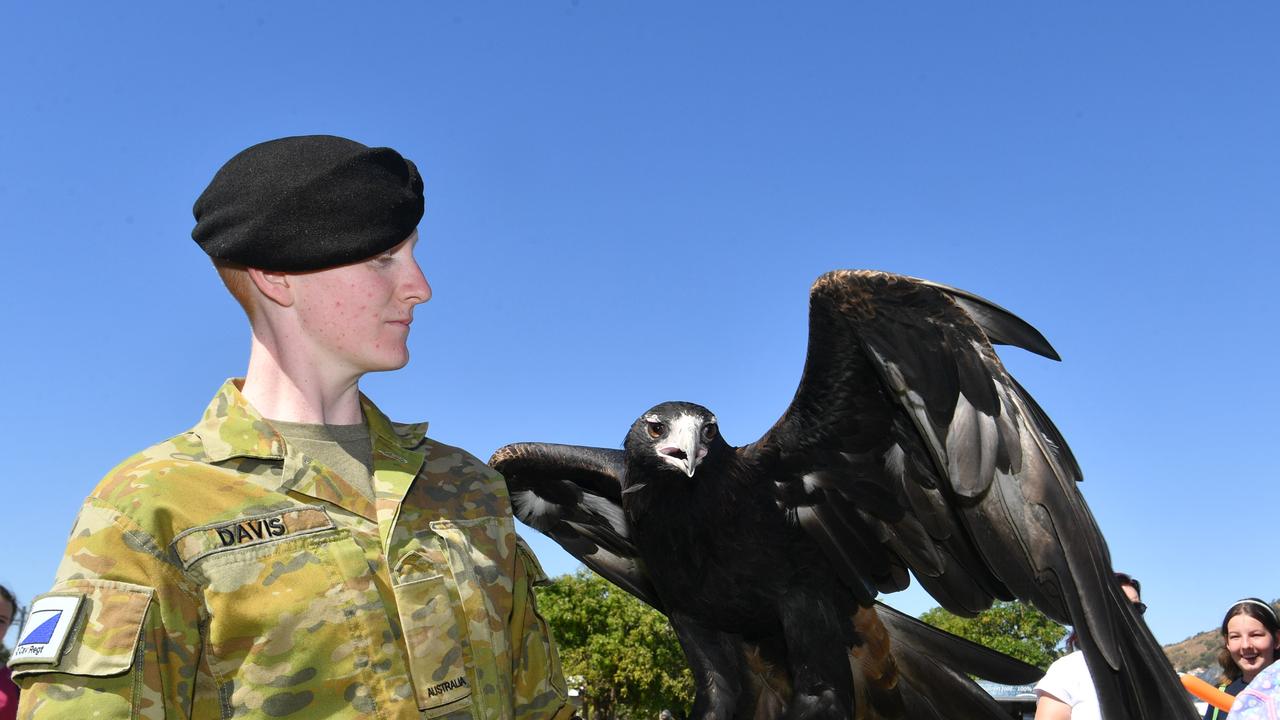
<point>1199,653</point>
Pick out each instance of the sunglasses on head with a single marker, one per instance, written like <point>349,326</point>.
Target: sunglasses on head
<point>1127,579</point>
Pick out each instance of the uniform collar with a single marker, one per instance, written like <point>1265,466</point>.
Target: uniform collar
<point>397,458</point>
<point>403,435</point>
<point>231,427</point>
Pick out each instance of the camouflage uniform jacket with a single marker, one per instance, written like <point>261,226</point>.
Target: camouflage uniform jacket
<point>221,574</point>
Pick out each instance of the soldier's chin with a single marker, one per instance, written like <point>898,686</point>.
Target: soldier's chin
<point>386,364</point>
<point>395,364</point>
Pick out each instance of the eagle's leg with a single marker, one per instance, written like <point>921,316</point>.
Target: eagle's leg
<point>715,660</point>
<point>817,639</point>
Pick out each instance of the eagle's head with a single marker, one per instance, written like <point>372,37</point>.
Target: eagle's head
<point>674,436</point>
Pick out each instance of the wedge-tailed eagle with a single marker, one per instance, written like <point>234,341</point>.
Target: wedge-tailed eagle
<point>908,449</point>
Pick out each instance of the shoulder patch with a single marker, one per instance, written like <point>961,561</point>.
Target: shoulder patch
<point>46,630</point>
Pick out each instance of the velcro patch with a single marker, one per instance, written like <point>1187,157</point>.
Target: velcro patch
<point>46,630</point>
<point>196,543</point>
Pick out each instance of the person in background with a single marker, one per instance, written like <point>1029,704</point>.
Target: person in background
<point>1066,691</point>
<point>1250,641</point>
<point>8,691</point>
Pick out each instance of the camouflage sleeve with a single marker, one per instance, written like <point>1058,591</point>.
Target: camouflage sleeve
<point>536,675</point>
<point>118,636</point>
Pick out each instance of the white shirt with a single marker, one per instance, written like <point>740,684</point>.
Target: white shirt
<point>1068,680</point>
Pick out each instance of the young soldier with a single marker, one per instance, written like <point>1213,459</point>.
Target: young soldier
<point>297,554</point>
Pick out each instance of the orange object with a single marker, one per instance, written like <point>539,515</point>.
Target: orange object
<point>1207,692</point>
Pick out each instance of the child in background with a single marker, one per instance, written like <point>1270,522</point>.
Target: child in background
<point>8,691</point>
<point>1250,640</point>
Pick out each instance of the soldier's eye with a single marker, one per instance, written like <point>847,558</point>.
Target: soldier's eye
<point>656,429</point>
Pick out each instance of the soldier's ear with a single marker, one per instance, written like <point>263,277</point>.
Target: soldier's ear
<point>276,286</point>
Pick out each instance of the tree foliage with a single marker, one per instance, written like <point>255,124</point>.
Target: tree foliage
<point>1013,628</point>
<point>625,652</point>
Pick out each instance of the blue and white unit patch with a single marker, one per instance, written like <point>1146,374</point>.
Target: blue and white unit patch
<point>46,630</point>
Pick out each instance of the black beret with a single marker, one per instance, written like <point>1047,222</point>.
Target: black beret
<point>307,203</point>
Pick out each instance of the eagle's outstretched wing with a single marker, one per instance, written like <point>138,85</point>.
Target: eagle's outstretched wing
<point>574,495</point>
<point>909,447</point>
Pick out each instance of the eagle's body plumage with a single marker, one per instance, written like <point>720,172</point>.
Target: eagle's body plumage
<point>906,448</point>
<point>701,538</point>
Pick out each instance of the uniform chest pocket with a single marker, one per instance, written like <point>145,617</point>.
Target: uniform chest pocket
<point>287,612</point>
<point>453,595</point>
<point>435,635</point>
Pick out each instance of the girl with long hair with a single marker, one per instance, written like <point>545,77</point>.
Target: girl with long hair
<point>1250,642</point>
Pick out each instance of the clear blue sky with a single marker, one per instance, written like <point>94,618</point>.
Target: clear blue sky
<point>627,202</point>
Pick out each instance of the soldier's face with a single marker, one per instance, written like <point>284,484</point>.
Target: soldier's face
<point>356,318</point>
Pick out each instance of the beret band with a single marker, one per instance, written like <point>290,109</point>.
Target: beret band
<point>308,203</point>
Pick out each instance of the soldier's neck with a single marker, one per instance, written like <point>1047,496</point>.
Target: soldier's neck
<point>288,386</point>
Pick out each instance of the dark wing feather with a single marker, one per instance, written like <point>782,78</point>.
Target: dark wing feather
<point>935,667</point>
<point>1000,326</point>
<point>960,654</point>
<point>903,392</point>
<point>574,495</point>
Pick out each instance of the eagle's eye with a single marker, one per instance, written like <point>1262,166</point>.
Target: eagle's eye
<point>656,429</point>
<point>708,432</point>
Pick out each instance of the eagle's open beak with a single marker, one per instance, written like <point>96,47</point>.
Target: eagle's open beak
<point>692,458</point>
<point>685,449</point>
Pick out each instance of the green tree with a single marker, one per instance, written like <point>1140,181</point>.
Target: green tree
<point>1013,628</point>
<point>625,652</point>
